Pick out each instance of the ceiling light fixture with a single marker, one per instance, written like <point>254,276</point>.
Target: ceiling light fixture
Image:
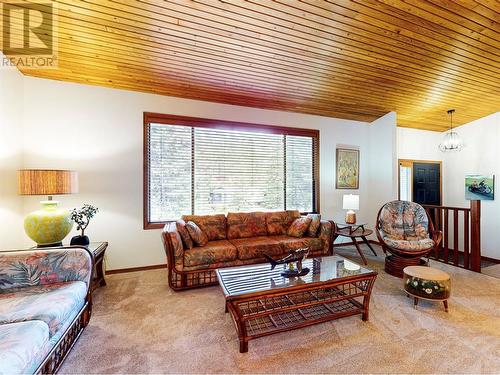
<point>451,141</point>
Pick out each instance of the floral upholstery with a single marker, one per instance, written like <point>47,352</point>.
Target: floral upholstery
<point>23,345</point>
<point>172,242</point>
<point>186,238</point>
<point>214,226</point>
<point>404,226</point>
<point>325,234</point>
<point>294,243</point>
<point>312,231</point>
<point>213,252</point>
<point>256,247</point>
<point>197,235</point>
<point>245,225</point>
<point>41,267</point>
<point>278,222</point>
<point>299,227</point>
<point>52,303</point>
<point>402,220</point>
<point>419,245</point>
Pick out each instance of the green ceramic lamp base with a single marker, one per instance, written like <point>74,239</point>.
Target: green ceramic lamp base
<point>48,226</point>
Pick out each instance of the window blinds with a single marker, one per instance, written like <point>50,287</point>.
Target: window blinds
<point>202,170</point>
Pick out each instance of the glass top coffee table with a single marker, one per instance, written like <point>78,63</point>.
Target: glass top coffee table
<point>262,302</point>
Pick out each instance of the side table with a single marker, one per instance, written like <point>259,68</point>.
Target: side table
<point>98,249</point>
<point>354,231</point>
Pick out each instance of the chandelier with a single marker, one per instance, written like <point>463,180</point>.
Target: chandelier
<point>451,141</point>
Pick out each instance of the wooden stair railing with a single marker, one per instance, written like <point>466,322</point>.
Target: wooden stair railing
<point>465,221</point>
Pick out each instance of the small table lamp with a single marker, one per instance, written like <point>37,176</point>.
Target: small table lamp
<point>48,226</point>
<point>350,203</point>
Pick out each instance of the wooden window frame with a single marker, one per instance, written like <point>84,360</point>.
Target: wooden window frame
<point>166,119</point>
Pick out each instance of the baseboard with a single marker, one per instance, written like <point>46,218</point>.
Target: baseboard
<point>136,269</point>
<point>491,260</point>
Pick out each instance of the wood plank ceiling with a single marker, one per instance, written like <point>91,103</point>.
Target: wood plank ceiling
<point>353,59</point>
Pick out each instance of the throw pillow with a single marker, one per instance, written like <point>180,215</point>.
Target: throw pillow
<point>186,239</point>
<point>314,226</point>
<point>299,226</point>
<point>196,234</point>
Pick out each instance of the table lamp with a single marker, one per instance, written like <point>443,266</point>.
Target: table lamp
<point>48,226</point>
<point>350,203</point>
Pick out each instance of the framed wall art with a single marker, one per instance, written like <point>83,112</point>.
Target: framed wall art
<point>347,169</point>
<point>479,187</point>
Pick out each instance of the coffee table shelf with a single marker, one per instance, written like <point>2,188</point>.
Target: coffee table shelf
<point>262,302</point>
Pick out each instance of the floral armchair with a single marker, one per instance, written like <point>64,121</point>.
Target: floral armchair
<point>45,303</point>
<point>405,231</point>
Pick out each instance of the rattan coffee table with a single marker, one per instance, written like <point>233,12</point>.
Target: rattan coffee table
<point>262,302</point>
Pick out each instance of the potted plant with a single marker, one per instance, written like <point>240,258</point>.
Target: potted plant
<point>82,219</point>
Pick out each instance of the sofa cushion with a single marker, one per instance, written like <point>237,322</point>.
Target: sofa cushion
<point>256,247</point>
<point>278,222</point>
<point>294,243</point>
<point>246,224</point>
<point>213,252</point>
<point>425,244</point>
<point>312,231</point>
<point>214,226</point>
<point>186,238</point>
<point>299,227</point>
<point>401,220</point>
<point>52,303</point>
<point>23,345</point>
<point>197,235</point>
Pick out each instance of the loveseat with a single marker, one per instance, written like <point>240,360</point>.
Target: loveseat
<point>236,239</point>
<point>45,303</point>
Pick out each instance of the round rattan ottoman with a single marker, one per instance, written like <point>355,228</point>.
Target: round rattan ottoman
<point>427,283</point>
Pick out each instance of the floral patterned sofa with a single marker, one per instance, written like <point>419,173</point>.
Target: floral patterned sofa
<point>45,303</point>
<point>236,239</point>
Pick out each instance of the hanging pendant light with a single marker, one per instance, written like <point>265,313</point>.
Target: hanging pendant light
<point>451,141</point>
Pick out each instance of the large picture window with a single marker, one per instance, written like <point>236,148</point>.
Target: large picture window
<point>200,166</point>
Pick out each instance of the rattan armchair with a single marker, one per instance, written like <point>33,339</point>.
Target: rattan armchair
<point>405,231</point>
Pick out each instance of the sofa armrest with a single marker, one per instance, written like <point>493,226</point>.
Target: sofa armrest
<point>23,268</point>
<point>325,233</point>
<point>172,244</point>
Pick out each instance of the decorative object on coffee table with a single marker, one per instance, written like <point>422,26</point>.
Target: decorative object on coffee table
<point>262,302</point>
<point>354,231</point>
<point>427,283</point>
<point>48,226</point>
<point>405,230</point>
<point>82,219</point>
<point>293,260</point>
<point>347,172</point>
<point>350,203</point>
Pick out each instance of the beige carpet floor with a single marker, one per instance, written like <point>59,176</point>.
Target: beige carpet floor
<point>140,326</point>
<point>492,271</point>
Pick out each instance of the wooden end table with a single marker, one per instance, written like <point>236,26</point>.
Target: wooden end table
<point>354,231</point>
<point>98,250</point>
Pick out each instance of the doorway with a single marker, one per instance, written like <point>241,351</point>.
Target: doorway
<point>420,181</point>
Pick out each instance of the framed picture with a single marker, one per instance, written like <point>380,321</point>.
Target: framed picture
<point>479,187</point>
<point>347,176</point>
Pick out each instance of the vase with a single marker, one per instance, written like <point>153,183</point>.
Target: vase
<point>80,240</point>
<point>48,226</point>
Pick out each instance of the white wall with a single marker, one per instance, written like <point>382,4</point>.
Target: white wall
<point>98,132</point>
<point>11,206</point>
<point>480,155</point>
<point>382,163</point>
